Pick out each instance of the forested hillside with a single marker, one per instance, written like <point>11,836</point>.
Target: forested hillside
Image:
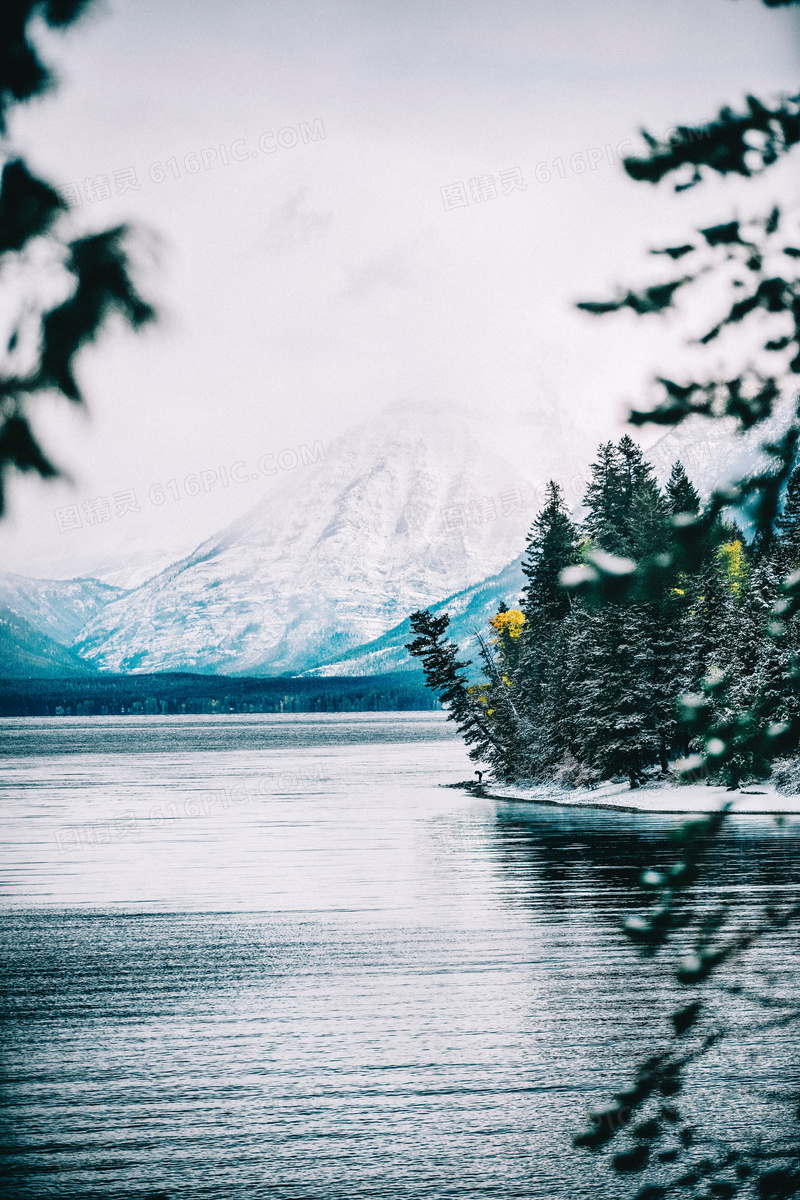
<point>577,691</point>
<point>177,694</point>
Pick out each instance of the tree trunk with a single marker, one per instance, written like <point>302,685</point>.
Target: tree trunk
<point>662,754</point>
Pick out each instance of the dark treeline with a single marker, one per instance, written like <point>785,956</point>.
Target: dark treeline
<point>577,691</point>
<point>186,693</point>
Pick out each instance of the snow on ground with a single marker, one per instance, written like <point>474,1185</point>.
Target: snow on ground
<point>652,797</point>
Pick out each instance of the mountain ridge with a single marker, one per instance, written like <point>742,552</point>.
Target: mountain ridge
<point>394,519</point>
<point>320,577</point>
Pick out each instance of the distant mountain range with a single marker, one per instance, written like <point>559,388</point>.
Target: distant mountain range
<point>713,452</point>
<point>58,608</point>
<point>468,610</point>
<point>26,653</point>
<point>407,511</point>
<point>40,620</point>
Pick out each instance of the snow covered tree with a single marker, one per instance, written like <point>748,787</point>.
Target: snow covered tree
<point>641,676</point>
<point>660,625</point>
<point>763,667</point>
<point>465,704</point>
<point>612,719</point>
<point>764,298</point>
<point>557,736</point>
<point>787,528</point>
<point>619,474</point>
<point>681,494</point>
<point>552,545</point>
<point>605,501</point>
<point>508,625</point>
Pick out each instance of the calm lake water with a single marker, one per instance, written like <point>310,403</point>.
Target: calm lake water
<point>258,956</point>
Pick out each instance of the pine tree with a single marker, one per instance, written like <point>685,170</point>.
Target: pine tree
<point>663,618</point>
<point>635,471</point>
<point>746,634</point>
<point>682,496</point>
<point>713,592</point>
<point>692,600</point>
<point>612,665</point>
<point>501,696</point>
<point>577,692</point>
<point>618,475</point>
<point>647,528</point>
<point>763,667</point>
<point>782,656</point>
<point>787,528</point>
<point>557,740</point>
<point>552,545</point>
<point>605,500</point>
<point>632,671</point>
<point>444,674</point>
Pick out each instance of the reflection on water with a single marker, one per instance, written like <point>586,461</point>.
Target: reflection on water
<point>270,956</point>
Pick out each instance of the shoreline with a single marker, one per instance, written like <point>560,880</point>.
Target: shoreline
<point>678,801</point>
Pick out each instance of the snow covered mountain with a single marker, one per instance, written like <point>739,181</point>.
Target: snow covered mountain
<point>39,620</point>
<point>26,653</point>
<point>57,608</point>
<point>469,610</point>
<point>713,452</point>
<point>410,510</point>
<point>404,511</point>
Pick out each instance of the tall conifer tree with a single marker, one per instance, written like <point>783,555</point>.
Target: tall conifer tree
<point>681,494</point>
<point>604,500</point>
<point>552,545</point>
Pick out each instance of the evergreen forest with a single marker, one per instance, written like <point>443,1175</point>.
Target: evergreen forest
<point>578,690</point>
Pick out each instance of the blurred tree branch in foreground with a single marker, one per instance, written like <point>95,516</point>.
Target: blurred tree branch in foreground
<point>45,339</point>
<point>715,943</point>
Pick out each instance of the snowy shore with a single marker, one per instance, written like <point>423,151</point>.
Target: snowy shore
<point>756,798</point>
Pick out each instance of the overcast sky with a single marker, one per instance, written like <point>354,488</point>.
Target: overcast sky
<point>321,273</point>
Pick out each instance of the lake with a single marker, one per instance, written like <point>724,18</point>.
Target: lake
<point>260,955</point>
